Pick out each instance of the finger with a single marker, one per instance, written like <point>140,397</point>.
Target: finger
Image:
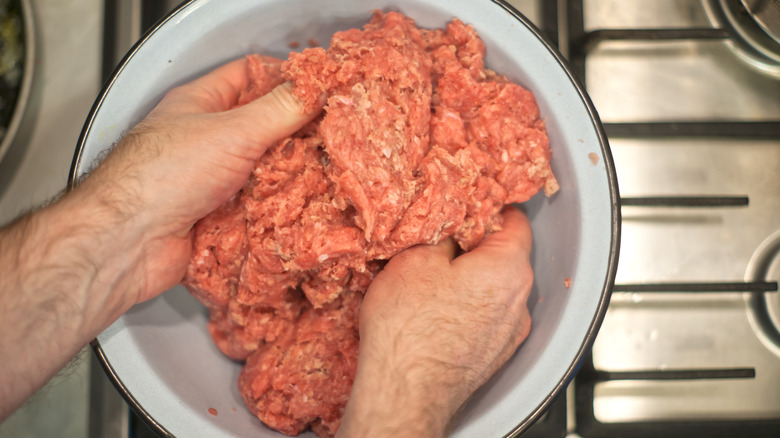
<point>446,248</point>
<point>513,242</point>
<point>215,91</point>
<point>424,256</point>
<point>524,328</point>
<point>218,90</point>
<point>269,119</point>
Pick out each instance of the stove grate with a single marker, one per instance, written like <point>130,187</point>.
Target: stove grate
<point>589,427</point>
<point>582,42</point>
<point>718,287</point>
<point>579,43</point>
<point>756,130</point>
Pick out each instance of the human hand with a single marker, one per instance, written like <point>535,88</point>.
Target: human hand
<point>123,234</point>
<point>188,156</point>
<point>434,328</point>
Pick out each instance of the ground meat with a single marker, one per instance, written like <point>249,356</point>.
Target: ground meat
<point>303,380</point>
<point>418,142</point>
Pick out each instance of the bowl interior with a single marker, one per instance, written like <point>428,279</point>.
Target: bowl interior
<point>160,353</point>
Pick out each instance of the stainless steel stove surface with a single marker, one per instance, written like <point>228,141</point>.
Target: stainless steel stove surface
<point>690,344</point>
<point>723,148</point>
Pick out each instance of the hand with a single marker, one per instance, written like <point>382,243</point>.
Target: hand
<point>188,156</point>
<point>434,328</point>
<point>123,235</point>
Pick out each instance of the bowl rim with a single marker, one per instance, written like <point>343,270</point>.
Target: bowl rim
<point>612,185</point>
<point>615,224</point>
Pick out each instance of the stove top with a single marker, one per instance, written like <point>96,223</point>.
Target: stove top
<point>690,344</point>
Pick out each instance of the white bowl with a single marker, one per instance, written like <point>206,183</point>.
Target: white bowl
<point>160,355</point>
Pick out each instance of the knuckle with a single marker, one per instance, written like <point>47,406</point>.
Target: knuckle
<point>284,101</point>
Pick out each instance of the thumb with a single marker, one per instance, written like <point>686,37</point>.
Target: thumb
<point>513,241</point>
<point>507,250</point>
<point>269,119</point>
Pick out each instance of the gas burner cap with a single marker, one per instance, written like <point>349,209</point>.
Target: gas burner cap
<point>764,307</point>
<point>766,14</point>
<point>754,26</point>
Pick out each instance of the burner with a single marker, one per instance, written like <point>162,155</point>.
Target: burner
<point>754,36</point>
<point>764,308</point>
<point>766,13</point>
<point>17,60</point>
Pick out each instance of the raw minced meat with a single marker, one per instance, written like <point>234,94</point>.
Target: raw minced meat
<point>303,379</point>
<point>418,141</point>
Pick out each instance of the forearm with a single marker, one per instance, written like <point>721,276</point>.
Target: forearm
<point>54,293</point>
<point>397,395</point>
<point>375,414</point>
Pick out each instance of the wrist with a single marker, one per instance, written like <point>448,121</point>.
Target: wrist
<point>55,292</point>
<point>402,396</point>
<point>74,250</point>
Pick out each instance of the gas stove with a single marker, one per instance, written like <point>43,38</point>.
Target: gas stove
<point>690,344</point>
